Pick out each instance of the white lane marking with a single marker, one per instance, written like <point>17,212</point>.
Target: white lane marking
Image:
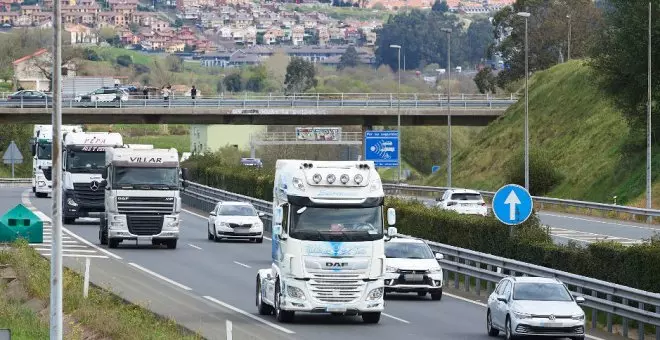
<point>90,244</point>
<point>68,250</point>
<point>160,276</point>
<point>479,303</point>
<point>206,218</point>
<point>194,246</point>
<point>79,255</point>
<point>64,246</point>
<point>587,236</point>
<point>251,316</point>
<point>599,221</point>
<point>242,264</point>
<point>395,318</point>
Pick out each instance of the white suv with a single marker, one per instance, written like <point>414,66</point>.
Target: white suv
<point>534,306</point>
<point>412,267</point>
<point>463,201</point>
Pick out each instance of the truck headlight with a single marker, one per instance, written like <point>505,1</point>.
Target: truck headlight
<point>295,292</point>
<point>375,294</point>
<point>171,222</point>
<point>118,222</point>
<point>390,269</point>
<point>43,183</point>
<point>71,202</point>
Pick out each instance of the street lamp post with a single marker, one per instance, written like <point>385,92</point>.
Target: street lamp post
<point>526,16</point>
<point>649,202</point>
<point>568,54</point>
<point>398,107</point>
<point>448,31</point>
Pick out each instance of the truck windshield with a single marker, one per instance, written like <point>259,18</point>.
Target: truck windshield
<point>146,178</point>
<point>336,224</point>
<point>44,151</point>
<point>85,161</point>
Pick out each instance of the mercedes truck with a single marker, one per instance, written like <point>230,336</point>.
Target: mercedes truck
<point>84,161</point>
<point>41,147</point>
<point>328,231</point>
<point>142,196</point>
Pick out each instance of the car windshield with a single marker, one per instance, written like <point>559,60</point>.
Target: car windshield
<point>330,223</point>
<point>541,292</point>
<point>400,250</point>
<point>466,197</point>
<point>165,178</point>
<point>44,150</point>
<point>237,210</point>
<point>85,161</point>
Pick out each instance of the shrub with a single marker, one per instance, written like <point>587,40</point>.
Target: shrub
<point>633,266</point>
<point>543,176</point>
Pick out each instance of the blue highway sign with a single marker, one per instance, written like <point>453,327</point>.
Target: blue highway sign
<point>382,147</point>
<point>512,204</point>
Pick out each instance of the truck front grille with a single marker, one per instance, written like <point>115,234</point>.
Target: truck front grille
<point>85,195</point>
<point>145,205</point>
<point>336,288</point>
<point>144,225</point>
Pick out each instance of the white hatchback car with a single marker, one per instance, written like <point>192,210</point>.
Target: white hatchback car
<point>463,201</point>
<point>534,306</point>
<point>411,267</point>
<point>235,220</point>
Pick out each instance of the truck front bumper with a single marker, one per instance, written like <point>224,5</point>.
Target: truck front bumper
<point>118,228</point>
<point>395,282</point>
<point>297,297</point>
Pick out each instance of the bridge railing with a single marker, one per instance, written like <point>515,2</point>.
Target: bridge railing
<point>288,136</point>
<point>539,202</point>
<point>314,96</point>
<point>603,298</point>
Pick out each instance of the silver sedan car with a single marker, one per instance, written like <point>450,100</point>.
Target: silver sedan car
<point>534,306</point>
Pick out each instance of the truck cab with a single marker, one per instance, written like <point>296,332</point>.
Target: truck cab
<point>42,168</point>
<point>83,160</point>
<point>328,241</point>
<point>142,196</point>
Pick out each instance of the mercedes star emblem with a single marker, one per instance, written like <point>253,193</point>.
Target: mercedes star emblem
<point>94,186</point>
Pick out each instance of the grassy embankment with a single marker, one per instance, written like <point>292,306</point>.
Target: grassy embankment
<point>580,129</point>
<point>24,296</point>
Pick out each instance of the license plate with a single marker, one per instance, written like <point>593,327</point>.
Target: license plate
<point>551,324</point>
<point>336,309</point>
<point>144,238</point>
<point>414,277</point>
<point>241,230</point>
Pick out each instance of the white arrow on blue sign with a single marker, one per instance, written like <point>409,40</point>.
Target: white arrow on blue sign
<point>512,204</point>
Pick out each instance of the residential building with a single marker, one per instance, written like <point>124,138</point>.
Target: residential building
<point>80,34</point>
<point>210,138</point>
<point>30,71</point>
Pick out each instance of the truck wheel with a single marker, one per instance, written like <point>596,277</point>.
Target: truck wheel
<point>171,244</point>
<point>263,308</point>
<point>113,243</point>
<point>436,296</point>
<point>371,317</point>
<point>34,190</point>
<point>259,240</point>
<point>41,194</point>
<point>68,220</point>
<point>281,315</point>
<point>103,236</point>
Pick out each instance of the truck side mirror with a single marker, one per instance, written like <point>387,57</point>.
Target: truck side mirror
<point>277,229</point>
<point>391,216</point>
<point>391,231</point>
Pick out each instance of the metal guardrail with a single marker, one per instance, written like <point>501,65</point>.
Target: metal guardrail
<point>15,182</point>
<point>601,296</point>
<point>419,190</point>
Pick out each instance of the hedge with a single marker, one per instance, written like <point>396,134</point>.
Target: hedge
<point>636,266</point>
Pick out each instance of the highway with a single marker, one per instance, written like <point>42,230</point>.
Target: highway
<point>215,281</point>
<point>274,103</point>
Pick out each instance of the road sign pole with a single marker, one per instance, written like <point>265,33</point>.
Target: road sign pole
<point>11,156</point>
<point>56,245</point>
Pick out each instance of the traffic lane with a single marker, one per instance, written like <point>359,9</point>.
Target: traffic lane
<point>601,226</point>
<point>10,197</point>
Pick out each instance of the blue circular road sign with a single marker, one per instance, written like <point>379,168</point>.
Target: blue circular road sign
<point>512,204</point>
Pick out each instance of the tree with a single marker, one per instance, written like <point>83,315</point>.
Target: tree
<point>621,60</point>
<point>124,60</point>
<point>486,80</point>
<point>178,22</point>
<point>71,58</point>
<point>440,6</point>
<point>233,83</point>
<point>350,58</point>
<point>547,34</point>
<point>174,63</point>
<point>300,76</point>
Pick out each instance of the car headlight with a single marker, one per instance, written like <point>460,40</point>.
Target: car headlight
<point>522,315</point>
<point>391,269</point>
<point>221,224</point>
<point>295,292</point>
<point>579,317</point>
<point>435,270</point>
<point>375,294</point>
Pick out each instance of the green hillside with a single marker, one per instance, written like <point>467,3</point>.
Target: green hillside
<point>575,124</point>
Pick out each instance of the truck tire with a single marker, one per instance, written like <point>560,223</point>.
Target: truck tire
<point>263,308</point>
<point>113,243</point>
<point>68,220</point>
<point>171,244</point>
<point>41,194</point>
<point>259,240</point>
<point>283,316</point>
<point>103,235</point>
<point>34,190</point>
<point>371,317</point>
<point>436,296</point>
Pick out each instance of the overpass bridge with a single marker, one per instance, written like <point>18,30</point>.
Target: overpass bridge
<point>308,109</point>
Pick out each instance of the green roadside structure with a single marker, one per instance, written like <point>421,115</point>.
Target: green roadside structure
<point>21,222</point>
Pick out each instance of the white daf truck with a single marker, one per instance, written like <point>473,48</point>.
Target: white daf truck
<point>327,241</point>
<point>84,162</point>
<point>42,146</point>
<point>142,196</point>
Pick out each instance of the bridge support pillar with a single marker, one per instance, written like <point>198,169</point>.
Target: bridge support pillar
<point>365,128</point>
